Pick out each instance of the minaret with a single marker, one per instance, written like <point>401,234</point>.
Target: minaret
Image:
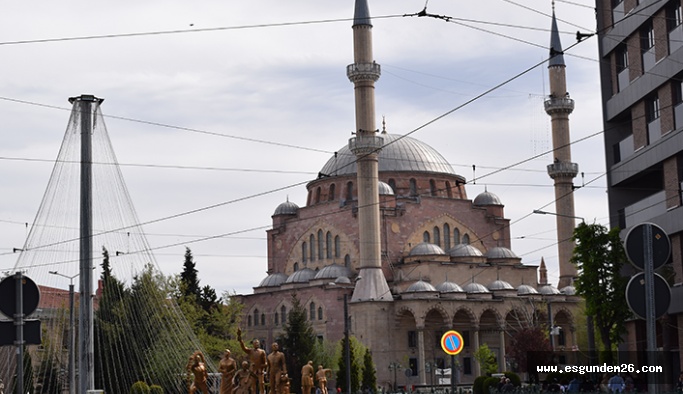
<point>542,274</point>
<point>562,171</point>
<point>372,284</point>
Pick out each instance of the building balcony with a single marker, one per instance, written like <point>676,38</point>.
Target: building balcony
<point>363,72</point>
<point>645,209</point>
<point>649,59</point>
<point>563,169</point>
<point>678,115</point>
<point>623,149</point>
<point>555,105</point>
<point>618,12</point>
<point>675,38</point>
<point>623,79</point>
<point>654,131</point>
<point>366,144</point>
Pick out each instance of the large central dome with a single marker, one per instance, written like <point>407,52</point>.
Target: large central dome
<point>398,154</point>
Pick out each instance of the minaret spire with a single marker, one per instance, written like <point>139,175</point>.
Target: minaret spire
<point>366,146</point>
<point>559,105</point>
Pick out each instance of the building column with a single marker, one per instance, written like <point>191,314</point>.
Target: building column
<point>475,346</point>
<point>501,340</point>
<point>421,355</point>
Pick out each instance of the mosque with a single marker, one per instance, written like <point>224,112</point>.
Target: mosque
<point>389,230</point>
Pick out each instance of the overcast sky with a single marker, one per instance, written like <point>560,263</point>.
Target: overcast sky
<point>237,81</point>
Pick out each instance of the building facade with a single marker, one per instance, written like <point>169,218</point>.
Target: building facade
<point>641,70</point>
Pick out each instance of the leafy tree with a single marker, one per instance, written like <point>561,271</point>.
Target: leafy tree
<point>188,278</point>
<point>298,340</point>
<point>355,357</point>
<point>529,347</point>
<point>486,359</point>
<point>599,256</point>
<point>208,298</point>
<point>369,381</point>
<point>139,388</point>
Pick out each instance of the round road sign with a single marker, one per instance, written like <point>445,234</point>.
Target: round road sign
<point>635,295</point>
<point>8,296</point>
<point>635,245</point>
<point>452,342</point>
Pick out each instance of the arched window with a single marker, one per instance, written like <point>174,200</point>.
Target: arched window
<point>249,321</point>
<point>425,236</point>
<point>276,318</point>
<point>256,316</point>
<point>347,261</point>
<point>311,242</point>
<point>328,245</point>
<point>437,236</point>
<point>311,311</point>
<point>413,187</point>
<point>296,267</point>
<point>466,239</point>
<point>449,192</point>
<point>392,184</point>
<point>321,242</point>
<point>283,314</point>
<point>456,236</point>
<point>331,197</point>
<point>263,319</point>
<point>349,191</point>
<point>320,313</point>
<point>304,252</point>
<point>432,188</point>
<point>317,195</point>
<point>337,246</point>
<point>446,236</point>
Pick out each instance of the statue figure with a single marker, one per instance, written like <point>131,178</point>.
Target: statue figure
<point>283,383</point>
<point>227,368</point>
<point>276,366</point>
<point>307,378</point>
<point>257,358</point>
<point>321,375</point>
<point>244,380</point>
<point>196,367</point>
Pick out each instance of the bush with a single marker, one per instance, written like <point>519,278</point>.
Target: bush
<point>478,385</point>
<point>140,388</point>
<point>490,383</point>
<point>155,389</point>
<point>514,378</point>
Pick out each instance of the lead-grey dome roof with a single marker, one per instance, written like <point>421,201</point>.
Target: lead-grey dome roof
<point>464,250</point>
<point>425,248</point>
<point>449,287</point>
<point>420,286</point>
<point>301,276</point>
<point>568,290</point>
<point>500,252</point>
<point>548,290</point>
<point>385,189</point>
<point>275,279</point>
<point>475,287</point>
<point>333,271</point>
<point>286,208</point>
<point>526,290</point>
<point>404,154</point>
<point>486,198</point>
<point>500,285</point>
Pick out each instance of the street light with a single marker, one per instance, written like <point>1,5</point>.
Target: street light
<point>72,333</point>
<point>539,212</point>
<point>393,366</point>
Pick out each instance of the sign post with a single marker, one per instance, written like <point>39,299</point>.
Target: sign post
<point>452,343</point>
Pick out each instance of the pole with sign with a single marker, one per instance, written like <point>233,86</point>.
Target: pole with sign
<point>452,343</point>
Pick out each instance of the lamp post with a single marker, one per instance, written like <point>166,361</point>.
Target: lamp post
<point>539,212</point>
<point>72,333</point>
<point>394,367</point>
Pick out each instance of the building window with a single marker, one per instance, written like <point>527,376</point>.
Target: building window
<point>674,16</point>
<point>320,313</point>
<point>465,338</point>
<point>446,236</point>
<point>392,184</point>
<point>296,267</point>
<point>337,246</point>
<point>432,188</point>
<point>456,236</point>
<point>347,261</point>
<point>413,187</point>
<point>467,365</point>
<point>249,321</point>
<point>303,252</point>
<point>317,195</point>
<point>437,236</point>
<point>263,319</point>
<point>276,318</point>
<point>647,37</point>
<point>311,244</point>
<point>321,249</point>
<point>256,316</point>
<point>652,108</point>
<point>332,191</point>
<point>349,191</point>
<point>311,311</point>
<point>328,246</point>
<point>466,239</point>
<point>283,314</point>
<point>412,339</point>
<point>412,364</point>
<point>437,339</point>
<point>622,58</point>
<point>449,192</point>
<point>425,236</point>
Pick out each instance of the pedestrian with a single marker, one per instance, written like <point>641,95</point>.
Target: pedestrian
<point>616,384</point>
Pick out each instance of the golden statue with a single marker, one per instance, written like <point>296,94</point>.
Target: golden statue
<point>283,383</point>
<point>307,378</point>
<point>244,380</point>
<point>196,367</point>
<point>227,368</point>
<point>276,366</point>
<point>321,375</point>
<point>257,358</point>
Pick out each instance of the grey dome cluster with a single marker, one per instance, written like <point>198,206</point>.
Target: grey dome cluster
<point>333,271</point>
<point>426,249</point>
<point>398,154</point>
<point>286,208</point>
<point>486,198</point>
<point>464,250</point>
<point>500,252</point>
<point>301,276</point>
<point>420,286</point>
<point>275,279</point>
<point>449,287</point>
<point>500,285</point>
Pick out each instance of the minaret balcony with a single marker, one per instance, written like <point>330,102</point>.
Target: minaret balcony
<point>563,169</point>
<point>363,72</point>
<point>365,144</point>
<point>555,105</point>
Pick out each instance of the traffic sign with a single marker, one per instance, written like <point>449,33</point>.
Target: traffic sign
<point>635,245</point>
<point>8,296</point>
<point>635,295</point>
<point>452,342</point>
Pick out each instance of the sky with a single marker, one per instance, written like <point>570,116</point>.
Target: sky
<point>238,104</point>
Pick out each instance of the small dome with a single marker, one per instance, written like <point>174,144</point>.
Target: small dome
<point>449,287</point>
<point>385,189</point>
<point>500,285</point>
<point>333,271</point>
<point>419,286</point>
<point>486,198</point>
<point>475,287</point>
<point>548,290</point>
<point>286,208</point>
<point>526,290</point>
<point>426,249</point>
<point>272,280</point>
<point>568,290</point>
<point>301,276</point>
<point>464,250</point>
<point>500,252</point>
<point>342,280</point>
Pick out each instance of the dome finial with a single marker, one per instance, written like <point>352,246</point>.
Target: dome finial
<point>384,125</point>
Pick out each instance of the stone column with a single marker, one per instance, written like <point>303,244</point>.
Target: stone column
<point>421,355</point>
<point>475,346</point>
<point>501,340</point>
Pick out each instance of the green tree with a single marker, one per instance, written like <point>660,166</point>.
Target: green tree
<point>486,359</point>
<point>298,341</point>
<point>369,381</point>
<point>189,277</point>
<point>599,255</point>
<point>355,358</point>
